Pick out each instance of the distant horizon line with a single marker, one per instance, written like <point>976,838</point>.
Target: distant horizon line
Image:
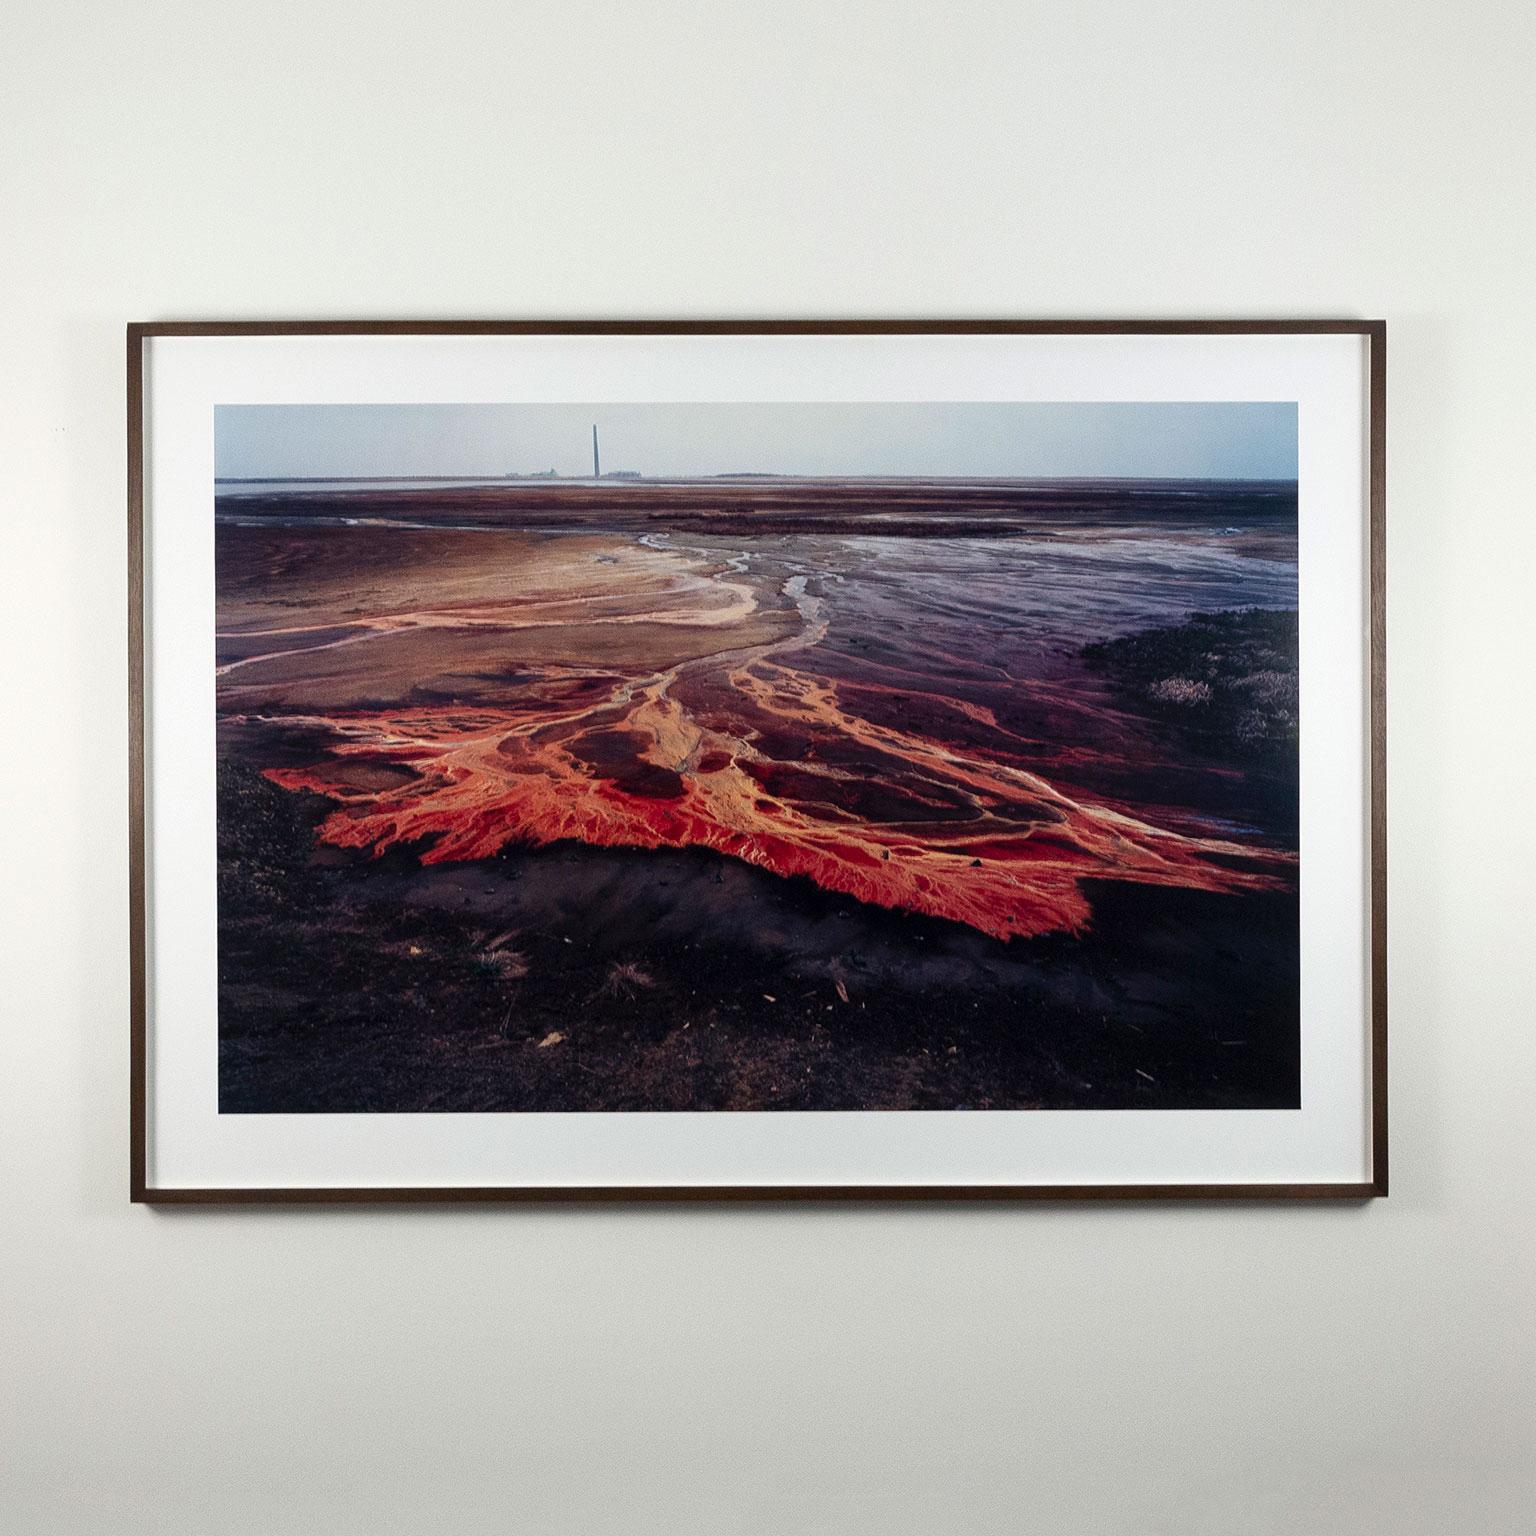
<point>630,477</point>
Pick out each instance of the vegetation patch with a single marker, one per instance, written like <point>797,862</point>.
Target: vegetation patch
<point>1223,682</point>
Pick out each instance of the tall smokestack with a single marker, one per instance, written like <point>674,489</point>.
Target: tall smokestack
<point>597,463</point>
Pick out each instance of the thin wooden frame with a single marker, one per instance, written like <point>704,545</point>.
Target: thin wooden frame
<point>142,1192</point>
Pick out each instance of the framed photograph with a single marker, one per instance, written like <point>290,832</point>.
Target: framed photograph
<point>757,760</point>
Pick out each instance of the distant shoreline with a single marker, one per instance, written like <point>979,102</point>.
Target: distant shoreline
<point>903,508</point>
<point>625,478</point>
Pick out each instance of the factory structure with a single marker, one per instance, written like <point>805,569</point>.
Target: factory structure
<point>597,468</point>
<point>597,464</point>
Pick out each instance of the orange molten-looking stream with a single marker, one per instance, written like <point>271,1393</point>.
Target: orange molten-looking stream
<point>488,778</point>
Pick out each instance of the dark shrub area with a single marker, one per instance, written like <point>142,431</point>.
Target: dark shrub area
<point>1224,682</point>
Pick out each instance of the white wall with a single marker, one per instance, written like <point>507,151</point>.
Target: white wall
<point>1189,1371</point>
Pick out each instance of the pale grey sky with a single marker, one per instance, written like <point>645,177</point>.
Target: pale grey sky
<point>1187,439</point>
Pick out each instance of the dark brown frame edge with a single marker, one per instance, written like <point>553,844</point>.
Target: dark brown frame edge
<point>1375,331</point>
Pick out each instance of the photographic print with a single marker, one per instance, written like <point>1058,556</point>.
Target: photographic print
<point>800,763</point>
<point>757,756</point>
